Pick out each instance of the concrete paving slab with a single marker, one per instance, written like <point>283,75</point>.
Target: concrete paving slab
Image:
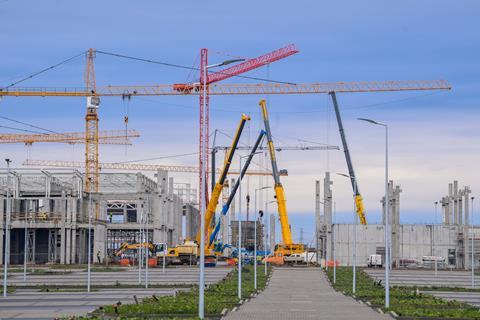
<point>305,293</point>
<point>444,278</point>
<point>49,305</point>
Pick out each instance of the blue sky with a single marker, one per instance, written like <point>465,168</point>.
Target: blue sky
<point>434,137</point>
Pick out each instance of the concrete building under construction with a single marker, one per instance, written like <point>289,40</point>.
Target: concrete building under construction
<point>50,211</point>
<point>450,239</point>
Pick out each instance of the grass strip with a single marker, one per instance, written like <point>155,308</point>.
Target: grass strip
<point>184,305</point>
<point>407,302</point>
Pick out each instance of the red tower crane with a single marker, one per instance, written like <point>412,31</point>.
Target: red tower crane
<point>203,87</point>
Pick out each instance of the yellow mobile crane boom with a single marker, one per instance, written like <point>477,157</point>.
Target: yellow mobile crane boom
<point>217,190</point>
<point>288,247</point>
<point>360,208</point>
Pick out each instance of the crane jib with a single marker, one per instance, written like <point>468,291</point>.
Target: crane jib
<point>226,207</point>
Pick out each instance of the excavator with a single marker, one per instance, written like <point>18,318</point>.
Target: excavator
<point>210,257</point>
<point>287,248</point>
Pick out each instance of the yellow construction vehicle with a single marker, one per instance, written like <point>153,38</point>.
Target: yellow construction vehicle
<point>286,248</point>
<point>185,253</point>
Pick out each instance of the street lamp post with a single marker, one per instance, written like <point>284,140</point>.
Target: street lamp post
<point>387,224</point>
<point>255,243</point>
<point>268,233</point>
<point>433,230</point>
<point>473,236</point>
<point>203,173</point>
<point>354,253</point>
<point>333,246</point>
<point>25,247</point>
<point>140,241</point>
<point>147,249</point>
<point>6,255</point>
<point>89,254</point>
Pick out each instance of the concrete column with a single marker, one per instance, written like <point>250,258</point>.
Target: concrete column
<point>232,213</point>
<point>396,225</point>
<point>466,204</point>
<point>161,217</point>
<point>451,219</point>
<point>327,213</point>
<point>272,232</point>
<point>318,223</point>
<point>224,218</point>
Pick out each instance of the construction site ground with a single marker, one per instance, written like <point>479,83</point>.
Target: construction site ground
<point>302,293</point>
<point>47,296</point>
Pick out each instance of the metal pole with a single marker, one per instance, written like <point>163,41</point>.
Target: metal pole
<point>387,226</point>
<point>240,236</point>
<point>25,249</point>
<point>140,238</point>
<point>203,170</point>
<point>255,245</point>
<point>147,248</point>
<point>473,237</point>
<point>6,256</point>
<point>354,281</point>
<point>164,254</point>
<point>266,234</point>
<point>434,251</point>
<point>89,255</point>
<point>333,246</point>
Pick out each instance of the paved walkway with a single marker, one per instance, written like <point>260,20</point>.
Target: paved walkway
<point>27,305</point>
<point>302,293</point>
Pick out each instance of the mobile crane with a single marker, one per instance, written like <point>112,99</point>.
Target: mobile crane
<point>360,208</point>
<point>226,206</point>
<point>210,258</point>
<point>286,248</point>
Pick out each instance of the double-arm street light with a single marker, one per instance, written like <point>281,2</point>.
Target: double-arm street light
<point>387,224</point>
<point>255,243</point>
<point>203,173</point>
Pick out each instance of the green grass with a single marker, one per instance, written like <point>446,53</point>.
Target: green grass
<point>185,304</point>
<point>405,301</point>
<point>105,269</point>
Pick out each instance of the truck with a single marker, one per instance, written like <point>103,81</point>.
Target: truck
<point>374,261</point>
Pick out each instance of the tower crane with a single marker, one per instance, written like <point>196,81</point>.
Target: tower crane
<point>206,88</point>
<point>136,167</point>
<point>104,137</point>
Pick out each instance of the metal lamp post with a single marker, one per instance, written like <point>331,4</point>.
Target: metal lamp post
<point>433,229</point>
<point>387,224</point>
<point>255,244</point>
<point>25,248</point>
<point>89,254</point>
<point>6,255</point>
<point>473,236</point>
<point>354,253</point>
<point>333,246</point>
<point>203,173</point>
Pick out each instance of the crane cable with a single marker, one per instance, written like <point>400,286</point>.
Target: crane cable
<point>184,67</point>
<point>44,70</point>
